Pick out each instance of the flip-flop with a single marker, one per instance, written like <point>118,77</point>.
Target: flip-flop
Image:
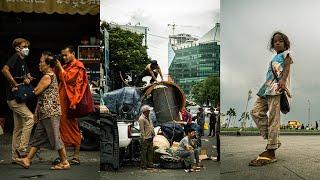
<point>191,170</point>
<point>56,161</point>
<point>75,161</point>
<point>21,163</point>
<point>61,166</point>
<point>261,161</point>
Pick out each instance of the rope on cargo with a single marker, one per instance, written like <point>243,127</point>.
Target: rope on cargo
<point>174,124</point>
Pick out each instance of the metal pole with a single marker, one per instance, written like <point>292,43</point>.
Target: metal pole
<point>217,114</point>
<point>145,36</point>
<point>309,113</point>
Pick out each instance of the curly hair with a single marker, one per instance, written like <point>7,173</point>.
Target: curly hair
<point>284,38</point>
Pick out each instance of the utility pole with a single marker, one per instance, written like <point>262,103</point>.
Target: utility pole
<point>145,35</point>
<point>173,27</point>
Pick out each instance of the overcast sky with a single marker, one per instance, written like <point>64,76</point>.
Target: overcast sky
<point>246,29</point>
<point>201,15</point>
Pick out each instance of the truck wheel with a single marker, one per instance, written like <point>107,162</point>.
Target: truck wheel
<point>116,150</point>
<point>89,141</point>
<point>109,145</point>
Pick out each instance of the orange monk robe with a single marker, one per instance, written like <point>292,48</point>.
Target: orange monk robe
<point>73,83</point>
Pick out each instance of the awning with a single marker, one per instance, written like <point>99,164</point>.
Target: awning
<point>51,6</point>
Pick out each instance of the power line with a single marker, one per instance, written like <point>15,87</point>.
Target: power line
<point>163,37</point>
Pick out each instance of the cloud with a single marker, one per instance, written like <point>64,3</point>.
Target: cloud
<point>246,29</point>
<point>158,14</point>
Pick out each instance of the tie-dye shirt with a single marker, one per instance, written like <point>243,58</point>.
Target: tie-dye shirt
<point>271,84</point>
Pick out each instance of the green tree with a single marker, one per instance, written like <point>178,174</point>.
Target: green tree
<point>231,113</point>
<point>126,54</point>
<point>198,93</point>
<point>244,117</point>
<point>207,91</point>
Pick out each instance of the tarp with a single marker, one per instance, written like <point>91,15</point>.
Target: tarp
<point>51,6</point>
<point>124,102</point>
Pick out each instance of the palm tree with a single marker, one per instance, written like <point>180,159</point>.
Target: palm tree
<point>231,113</point>
<point>244,116</point>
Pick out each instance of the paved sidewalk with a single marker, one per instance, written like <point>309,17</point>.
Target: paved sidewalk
<point>87,170</point>
<point>298,158</point>
<point>211,171</point>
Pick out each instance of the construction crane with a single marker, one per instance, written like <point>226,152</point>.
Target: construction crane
<point>173,25</point>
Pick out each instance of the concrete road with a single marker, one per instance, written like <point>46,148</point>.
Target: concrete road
<point>39,169</point>
<point>298,158</point>
<point>211,171</point>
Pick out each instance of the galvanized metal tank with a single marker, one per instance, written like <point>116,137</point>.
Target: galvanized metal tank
<point>168,99</point>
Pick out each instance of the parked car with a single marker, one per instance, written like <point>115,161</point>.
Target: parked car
<point>207,111</point>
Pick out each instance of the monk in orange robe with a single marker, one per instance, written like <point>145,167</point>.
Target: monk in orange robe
<point>73,83</point>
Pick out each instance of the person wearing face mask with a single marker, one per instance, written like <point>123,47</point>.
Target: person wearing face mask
<point>71,90</point>
<point>16,71</point>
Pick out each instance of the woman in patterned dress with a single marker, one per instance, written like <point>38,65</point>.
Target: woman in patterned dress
<point>48,112</point>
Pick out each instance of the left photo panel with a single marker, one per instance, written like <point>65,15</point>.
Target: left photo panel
<point>50,89</point>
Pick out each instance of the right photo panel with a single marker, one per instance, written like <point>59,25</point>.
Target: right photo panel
<point>269,89</point>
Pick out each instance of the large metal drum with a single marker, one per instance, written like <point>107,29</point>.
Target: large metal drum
<point>168,99</point>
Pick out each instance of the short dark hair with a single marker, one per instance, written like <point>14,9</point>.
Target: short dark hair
<point>70,48</point>
<point>188,130</point>
<point>49,60</point>
<point>285,40</point>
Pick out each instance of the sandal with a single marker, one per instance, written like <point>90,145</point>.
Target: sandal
<point>75,161</point>
<point>56,161</point>
<point>20,162</point>
<point>261,161</point>
<point>191,170</point>
<point>61,166</point>
<point>199,165</point>
<point>20,154</point>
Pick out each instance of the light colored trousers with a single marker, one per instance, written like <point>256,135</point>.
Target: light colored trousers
<point>23,123</point>
<point>269,126</point>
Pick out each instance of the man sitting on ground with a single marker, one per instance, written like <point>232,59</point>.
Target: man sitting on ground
<point>189,151</point>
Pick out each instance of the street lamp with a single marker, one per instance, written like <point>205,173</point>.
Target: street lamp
<point>309,112</point>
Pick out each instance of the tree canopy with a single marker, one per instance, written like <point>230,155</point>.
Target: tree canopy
<point>207,91</point>
<point>126,54</point>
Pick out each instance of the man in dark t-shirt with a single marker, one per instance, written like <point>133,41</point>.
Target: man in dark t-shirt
<point>16,72</point>
<point>19,71</point>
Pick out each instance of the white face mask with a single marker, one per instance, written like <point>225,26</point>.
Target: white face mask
<point>25,51</point>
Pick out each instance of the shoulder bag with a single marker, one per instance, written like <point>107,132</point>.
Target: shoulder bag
<point>284,102</point>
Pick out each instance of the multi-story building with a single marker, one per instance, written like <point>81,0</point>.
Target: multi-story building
<point>194,61</point>
<point>181,39</point>
<point>135,29</point>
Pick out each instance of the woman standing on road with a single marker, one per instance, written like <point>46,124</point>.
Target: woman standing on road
<point>48,112</point>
